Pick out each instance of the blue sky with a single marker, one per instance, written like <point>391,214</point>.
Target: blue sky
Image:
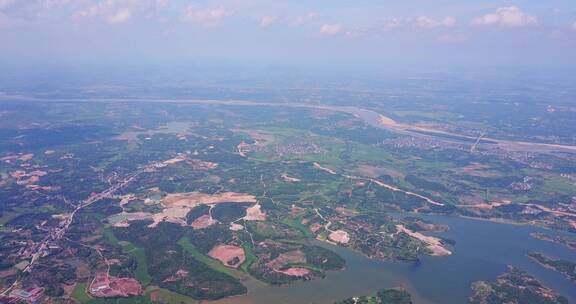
<point>288,32</point>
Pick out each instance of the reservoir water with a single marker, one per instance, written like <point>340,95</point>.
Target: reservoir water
<point>482,252</point>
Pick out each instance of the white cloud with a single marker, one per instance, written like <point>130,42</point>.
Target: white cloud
<point>114,11</point>
<point>120,16</point>
<point>19,12</point>
<point>268,20</point>
<point>392,24</point>
<point>207,17</point>
<point>330,29</point>
<point>511,16</point>
<point>427,22</point>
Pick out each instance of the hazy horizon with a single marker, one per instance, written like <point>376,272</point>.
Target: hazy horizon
<point>287,33</point>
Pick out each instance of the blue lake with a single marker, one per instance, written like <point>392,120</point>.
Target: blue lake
<point>482,252</point>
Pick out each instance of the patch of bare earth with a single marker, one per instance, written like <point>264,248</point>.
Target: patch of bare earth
<point>433,243</point>
<point>177,205</point>
<point>346,211</point>
<point>174,160</point>
<point>292,257</point>
<point>295,272</point>
<point>319,167</point>
<point>193,199</point>
<point>370,171</point>
<point>27,178</point>
<point>230,255</point>
<point>486,206</point>
<point>236,227</point>
<point>339,236</point>
<point>289,179</point>
<point>154,190</point>
<point>295,211</point>
<point>176,215</point>
<point>194,163</point>
<point>107,286</point>
<point>179,275</point>
<point>386,121</point>
<point>127,198</point>
<point>203,222</point>
<point>132,216</point>
<point>315,227</point>
<point>255,213</point>
<point>202,165</point>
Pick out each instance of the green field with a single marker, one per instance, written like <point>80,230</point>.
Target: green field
<point>142,266</point>
<point>138,253</point>
<point>79,293</point>
<point>250,257</point>
<point>296,223</point>
<point>167,296</point>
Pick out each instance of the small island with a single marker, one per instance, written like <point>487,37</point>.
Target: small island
<point>384,296</point>
<point>514,286</point>
<point>569,242</point>
<point>565,267</point>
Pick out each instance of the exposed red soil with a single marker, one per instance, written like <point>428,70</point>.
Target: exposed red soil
<point>340,236</point>
<point>295,272</point>
<point>203,222</point>
<point>229,255</point>
<point>107,286</point>
<point>255,213</point>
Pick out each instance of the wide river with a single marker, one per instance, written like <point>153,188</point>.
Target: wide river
<point>482,252</point>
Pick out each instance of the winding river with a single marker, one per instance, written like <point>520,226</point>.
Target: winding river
<point>369,117</point>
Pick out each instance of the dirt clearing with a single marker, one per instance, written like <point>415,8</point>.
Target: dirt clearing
<point>339,236</point>
<point>230,255</point>
<point>193,199</point>
<point>255,213</point>
<point>203,222</point>
<point>434,244</point>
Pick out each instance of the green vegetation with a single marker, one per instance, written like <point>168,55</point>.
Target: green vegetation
<point>297,223</point>
<point>212,263</point>
<point>366,172</point>
<point>79,293</point>
<point>168,297</point>
<point>515,286</point>
<point>569,242</point>
<point>323,258</point>
<point>250,257</point>
<point>384,296</point>
<point>142,266</point>
<point>176,265</point>
<point>274,230</point>
<point>558,185</point>
<point>567,268</point>
<point>139,255</point>
<point>163,296</point>
<point>109,235</point>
